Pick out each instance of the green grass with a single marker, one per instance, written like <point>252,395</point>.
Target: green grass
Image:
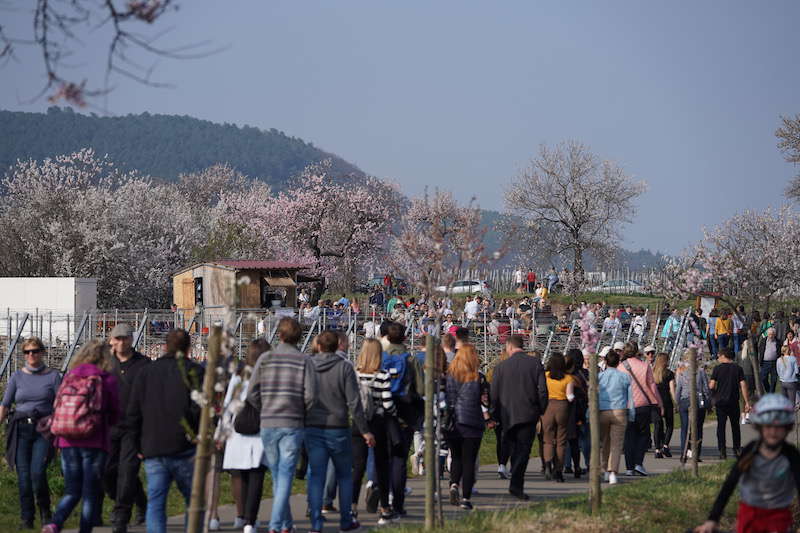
<point>666,503</point>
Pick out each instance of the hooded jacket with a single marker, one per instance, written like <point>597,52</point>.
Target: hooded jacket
<point>337,394</point>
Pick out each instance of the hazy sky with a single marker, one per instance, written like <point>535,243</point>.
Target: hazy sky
<point>460,94</point>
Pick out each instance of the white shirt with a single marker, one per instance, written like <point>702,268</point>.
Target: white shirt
<point>518,277</point>
<point>471,309</point>
<point>611,324</point>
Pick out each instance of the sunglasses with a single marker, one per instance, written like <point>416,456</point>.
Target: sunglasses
<point>37,350</point>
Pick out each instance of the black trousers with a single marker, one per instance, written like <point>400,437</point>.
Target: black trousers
<point>727,413</point>
<point>377,427</point>
<point>502,448</point>
<point>464,452</point>
<point>399,468</point>
<point>664,426</point>
<point>637,437</point>
<point>252,487</point>
<point>121,480</point>
<point>520,440</point>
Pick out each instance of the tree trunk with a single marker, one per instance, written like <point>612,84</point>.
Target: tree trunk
<point>431,466</point>
<point>197,503</point>
<point>595,493</point>
<point>577,264</point>
<point>693,407</point>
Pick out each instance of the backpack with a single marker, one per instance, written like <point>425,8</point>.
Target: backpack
<point>397,368</point>
<point>78,407</point>
<point>367,401</point>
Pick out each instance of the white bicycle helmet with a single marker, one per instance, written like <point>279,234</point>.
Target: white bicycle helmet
<point>773,410</point>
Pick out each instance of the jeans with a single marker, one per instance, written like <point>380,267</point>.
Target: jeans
<point>282,449</point>
<point>330,485</point>
<point>683,410</point>
<point>723,340</point>
<point>790,391</point>
<point>324,445</point>
<point>161,471</point>
<point>83,470</point>
<point>33,452</point>
<point>738,339</point>
<point>583,446</point>
<point>727,413</point>
<point>713,346</point>
<point>637,437</point>
<point>769,376</point>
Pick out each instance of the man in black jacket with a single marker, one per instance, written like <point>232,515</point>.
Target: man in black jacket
<point>121,480</point>
<point>519,397</point>
<point>160,413</point>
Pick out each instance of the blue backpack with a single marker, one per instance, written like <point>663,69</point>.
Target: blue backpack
<point>397,367</point>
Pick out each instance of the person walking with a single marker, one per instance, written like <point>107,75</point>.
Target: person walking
<point>327,430</point>
<point>768,353</point>
<point>616,406</point>
<point>578,436</point>
<point>711,332</point>
<point>518,398</point>
<point>381,415</point>
<point>560,392</point>
<point>244,454</point>
<point>121,479</point>
<point>724,330</point>
<point>284,388</point>
<point>727,381</point>
<point>786,365</point>
<point>682,394</point>
<point>30,391</point>
<point>502,448</point>
<point>407,392</point>
<point>767,474</point>
<point>647,402</point>
<point>84,441</point>
<point>664,422</point>
<point>466,390</point>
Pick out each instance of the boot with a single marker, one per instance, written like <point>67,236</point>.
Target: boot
<point>548,470</point>
<point>558,475</point>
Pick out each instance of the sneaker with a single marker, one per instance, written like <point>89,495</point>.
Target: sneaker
<point>640,471</point>
<point>408,491</point>
<point>387,518</point>
<point>238,523</point>
<point>249,529</point>
<point>501,472</point>
<point>659,455</point>
<point>688,454</point>
<point>629,473</point>
<point>49,528</point>
<point>606,476</point>
<point>354,526</point>
<point>453,494</point>
<point>213,524</point>
<point>329,509</point>
<point>466,505</point>
<point>612,479</point>
<point>568,470</point>
<point>723,455</point>
<point>666,452</point>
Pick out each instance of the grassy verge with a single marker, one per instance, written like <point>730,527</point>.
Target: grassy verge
<point>670,502</point>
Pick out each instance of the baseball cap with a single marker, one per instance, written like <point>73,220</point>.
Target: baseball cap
<point>619,345</point>
<point>649,348</point>
<point>121,330</point>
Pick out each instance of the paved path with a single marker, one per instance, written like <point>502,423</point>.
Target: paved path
<point>492,492</point>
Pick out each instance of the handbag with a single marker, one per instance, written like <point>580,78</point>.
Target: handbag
<point>248,420</point>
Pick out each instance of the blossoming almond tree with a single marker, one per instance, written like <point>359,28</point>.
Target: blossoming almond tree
<point>574,202</point>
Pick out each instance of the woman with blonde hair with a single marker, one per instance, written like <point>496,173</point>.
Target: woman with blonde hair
<point>31,391</point>
<point>665,381</point>
<point>376,393</point>
<point>467,396</point>
<point>84,443</point>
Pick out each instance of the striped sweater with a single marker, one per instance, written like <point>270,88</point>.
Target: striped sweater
<point>381,387</point>
<point>284,386</point>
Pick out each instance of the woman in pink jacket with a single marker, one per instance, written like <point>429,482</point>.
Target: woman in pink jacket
<point>86,407</point>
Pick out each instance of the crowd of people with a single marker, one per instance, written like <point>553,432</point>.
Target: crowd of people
<point>334,421</point>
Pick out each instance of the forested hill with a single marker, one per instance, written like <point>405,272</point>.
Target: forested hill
<point>161,146</point>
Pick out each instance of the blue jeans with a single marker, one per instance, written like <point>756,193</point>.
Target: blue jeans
<point>584,443</point>
<point>161,471</point>
<point>723,341</point>
<point>33,452</point>
<point>769,375</point>
<point>322,445</point>
<point>371,475</point>
<point>83,470</point>
<point>282,449</point>
<point>330,484</point>
<point>683,411</point>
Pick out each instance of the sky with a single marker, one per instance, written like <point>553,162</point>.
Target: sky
<point>459,95</point>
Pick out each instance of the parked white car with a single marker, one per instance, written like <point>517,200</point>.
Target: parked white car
<point>619,286</point>
<point>469,286</point>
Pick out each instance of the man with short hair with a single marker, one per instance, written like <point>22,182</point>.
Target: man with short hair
<point>284,386</point>
<point>645,399</point>
<point>769,350</point>
<point>727,380</point>
<point>327,429</point>
<point>121,479</point>
<point>471,308</point>
<point>518,399</point>
<point>462,337</point>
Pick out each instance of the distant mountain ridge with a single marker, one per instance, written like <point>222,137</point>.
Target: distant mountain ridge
<point>162,146</point>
